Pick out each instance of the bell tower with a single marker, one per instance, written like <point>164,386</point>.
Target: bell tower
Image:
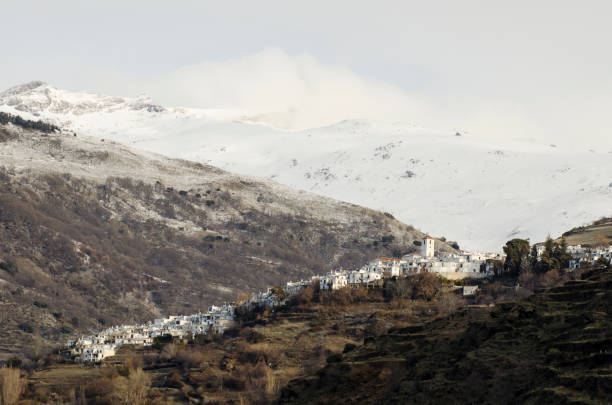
<point>427,246</point>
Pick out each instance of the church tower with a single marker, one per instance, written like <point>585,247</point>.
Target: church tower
<point>427,246</point>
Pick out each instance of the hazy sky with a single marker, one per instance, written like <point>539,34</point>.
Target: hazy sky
<point>519,69</point>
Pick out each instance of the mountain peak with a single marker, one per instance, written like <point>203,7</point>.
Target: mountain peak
<point>22,88</point>
<point>38,98</point>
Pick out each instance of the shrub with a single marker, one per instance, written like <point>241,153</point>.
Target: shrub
<point>10,266</point>
<point>40,304</point>
<point>262,353</point>
<point>132,390</point>
<point>26,327</point>
<point>259,380</point>
<point>449,303</point>
<point>420,286</point>
<point>375,328</point>
<point>190,358</point>
<point>349,347</point>
<point>251,335</point>
<point>387,239</point>
<point>168,352</point>
<point>602,261</point>
<point>160,341</point>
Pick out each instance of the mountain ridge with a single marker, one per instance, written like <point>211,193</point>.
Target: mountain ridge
<point>477,191</point>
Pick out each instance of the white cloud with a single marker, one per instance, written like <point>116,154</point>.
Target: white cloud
<point>519,69</point>
<point>299,91</point>
<point>287,91</point>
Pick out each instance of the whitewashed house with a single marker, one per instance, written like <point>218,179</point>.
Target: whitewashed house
<point>386,266</point>
<point>469,290</point>
<point>333,281</point>
<point>363,276</point>
<point>96,353</point>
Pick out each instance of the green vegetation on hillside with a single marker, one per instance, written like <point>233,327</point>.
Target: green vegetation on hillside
<point>521,259</point>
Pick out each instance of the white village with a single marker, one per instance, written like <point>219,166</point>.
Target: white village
<point>452,266</point>
<point>583,256</point>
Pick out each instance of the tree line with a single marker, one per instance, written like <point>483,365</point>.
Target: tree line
<point>521,258</point>
<point>6,118</point>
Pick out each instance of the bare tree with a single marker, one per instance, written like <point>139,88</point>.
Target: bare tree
<point>11,385</point>
<point>132,390</point>
<point>168,352</point>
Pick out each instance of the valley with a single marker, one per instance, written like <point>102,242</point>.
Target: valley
<point>96,234</point>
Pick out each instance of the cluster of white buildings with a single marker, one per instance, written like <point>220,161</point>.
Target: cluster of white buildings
<point>94,348</point>
<point>453,266</point>
<point>585,256</point>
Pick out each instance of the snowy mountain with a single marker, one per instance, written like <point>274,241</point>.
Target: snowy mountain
<point>477,191</point>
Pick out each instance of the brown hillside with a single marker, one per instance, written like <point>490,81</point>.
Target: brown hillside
<point>94,234</point>
<point>599,233</point>
<point>553,348</point>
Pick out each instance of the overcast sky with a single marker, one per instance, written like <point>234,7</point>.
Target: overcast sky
<point>520,69</point>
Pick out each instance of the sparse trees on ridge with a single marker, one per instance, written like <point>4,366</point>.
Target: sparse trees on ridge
<point>6,118</point>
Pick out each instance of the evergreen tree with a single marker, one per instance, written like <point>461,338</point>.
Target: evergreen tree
<point>555,256</point>
<point>533,257</point>
<point>517,253</point>
<point>562,256</point>
<point>5,118</point>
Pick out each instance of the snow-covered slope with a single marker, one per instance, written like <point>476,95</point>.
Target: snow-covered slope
<point>474,190</point>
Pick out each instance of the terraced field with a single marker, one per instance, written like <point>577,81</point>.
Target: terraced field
<point>553,348</point>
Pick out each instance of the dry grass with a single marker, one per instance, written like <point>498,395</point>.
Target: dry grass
<point>11,385</point>
<point>133,389</point>
<point>597,234</point>
<point>252,365</point>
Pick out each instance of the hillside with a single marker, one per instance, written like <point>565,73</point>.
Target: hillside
<point>427,345</point>
<point>252,362</point>
<point>552,348</point>
<point>452,184</point>
<point>93,234</point>
<point>595,234</point>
